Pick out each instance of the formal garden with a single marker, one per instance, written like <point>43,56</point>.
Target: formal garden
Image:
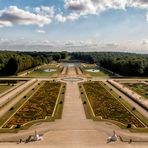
<point>94,71</point>
<point>44,71</point>
<point>41,105</point>
<point>105,106</point>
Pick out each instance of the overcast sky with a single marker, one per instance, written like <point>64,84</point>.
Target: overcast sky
<point>81,25</point>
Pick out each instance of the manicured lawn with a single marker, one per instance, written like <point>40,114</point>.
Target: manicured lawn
<point>140,88</point>
<point>95,74</point>
<point>107,106</point>
<point>40,105</point>
<point>41,73</point>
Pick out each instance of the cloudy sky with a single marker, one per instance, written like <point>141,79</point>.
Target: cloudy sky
<point>86,25</point>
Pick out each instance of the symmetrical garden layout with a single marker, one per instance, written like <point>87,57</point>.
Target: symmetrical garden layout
<point>109,107</point>
<point>44,100</point>
<point>39,106</point>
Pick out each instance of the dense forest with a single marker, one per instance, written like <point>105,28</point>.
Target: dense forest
<point>126,64</point>
<point>13,62</point>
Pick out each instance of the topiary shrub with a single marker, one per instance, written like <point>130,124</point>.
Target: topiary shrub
<point>129,125</point>
<point>133,108</point>
<point>61,102</point>
<point>11,108</point>
<point>84,102</point>
<point>18,126</point>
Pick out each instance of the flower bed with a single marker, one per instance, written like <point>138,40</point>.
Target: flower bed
<point>40,105</point>
<point>108,107</point>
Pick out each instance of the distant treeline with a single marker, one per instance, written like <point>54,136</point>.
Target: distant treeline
<point>13,62</point>
<point>127,64</point>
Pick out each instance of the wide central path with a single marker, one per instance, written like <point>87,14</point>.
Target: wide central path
<point>74,129</point>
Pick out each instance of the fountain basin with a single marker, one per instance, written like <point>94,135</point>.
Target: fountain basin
<point>71,79</point>
<point>49,70</point>
<point>93,70</point>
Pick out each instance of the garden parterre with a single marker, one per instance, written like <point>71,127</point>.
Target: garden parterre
<point>107,106</point>
<point>40,105</point>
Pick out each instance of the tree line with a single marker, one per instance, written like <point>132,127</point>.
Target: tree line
<point>13,62</point>
<point>126,64</point>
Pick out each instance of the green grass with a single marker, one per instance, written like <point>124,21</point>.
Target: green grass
<point>140,88</point>
<point>40,72</point>
<point>95,74</point>
<point>4,87</point>
<point>59,110</point>
<point>87,110</point>
<point>40,105</point>
<point>107,106</point>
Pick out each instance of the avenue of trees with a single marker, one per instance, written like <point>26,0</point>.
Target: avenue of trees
<point>13,62</point>
<point>126,64</point>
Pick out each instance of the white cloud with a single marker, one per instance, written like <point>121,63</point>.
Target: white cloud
<point>74,9</point>
<point>138,3</point>
<point>86,7</point>
<point>13,16</point>
<point>60,18</point>
<point>44,10</point>
<point>5,23</point>
<point>41,31</point>
<point>70,17</point>
<point>144,42</point>
<point>111,45</point>
<point>73,45</point>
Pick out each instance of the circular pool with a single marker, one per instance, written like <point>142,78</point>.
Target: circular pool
<point>71,79</point>
<point>93,70</point>
<point>49,70</point>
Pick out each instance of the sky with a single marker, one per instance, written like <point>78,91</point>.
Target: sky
<point>74,25</point>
